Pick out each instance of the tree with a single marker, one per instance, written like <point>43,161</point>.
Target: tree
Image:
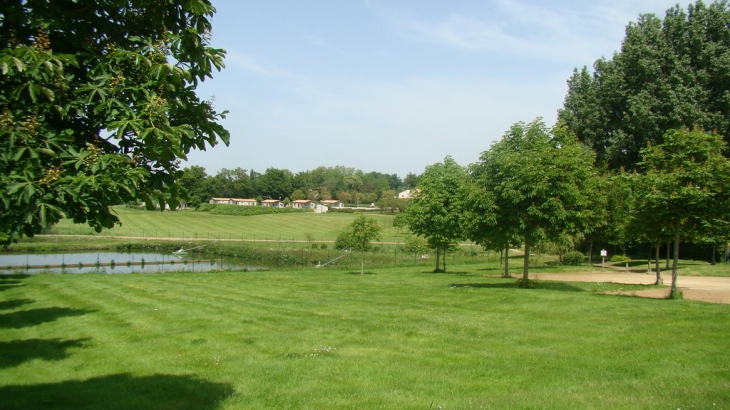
<point>480,222</point>
<point>410,181</point>
<point>670,74</point>
<point>358,235</point>
<point>344,196</point>
<point>97,105</point>
<point>685,188</point>
<point>435,211</point>
<point>324,194</point>
<point>389,194</point>
<point>194,181</point>
<point>275,183</point>
<point>298,195</point>
<point>230,183</point>
<point>533,187</point>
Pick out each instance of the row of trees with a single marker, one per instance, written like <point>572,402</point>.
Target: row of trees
<point>540,185</point>
<point>628,160</point>
<point>342,183</point>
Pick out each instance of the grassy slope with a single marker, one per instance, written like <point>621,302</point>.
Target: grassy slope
<point>204,225</point>
<point>395,338</point>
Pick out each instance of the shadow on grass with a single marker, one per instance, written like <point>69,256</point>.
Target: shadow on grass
<point>358,273</point>
<point>5,285</point>
<point>545,285</point>
<point>448,272</point>
<point>12,304</point>
<point>19,351</point>
<point>500,269</point>
<point>33,317</point>
<point>119,391</point>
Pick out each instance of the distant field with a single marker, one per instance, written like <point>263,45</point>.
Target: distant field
<point>203,225</point>
<point>396,338</point>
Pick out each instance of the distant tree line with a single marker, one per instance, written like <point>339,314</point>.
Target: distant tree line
<point>348,185</point>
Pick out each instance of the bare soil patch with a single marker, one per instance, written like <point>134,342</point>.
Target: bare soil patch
<point>702,288</point>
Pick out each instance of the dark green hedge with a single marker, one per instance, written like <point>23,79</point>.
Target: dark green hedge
<point>237,210</point>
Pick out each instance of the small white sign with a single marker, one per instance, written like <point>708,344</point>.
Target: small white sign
<point>604,252</point>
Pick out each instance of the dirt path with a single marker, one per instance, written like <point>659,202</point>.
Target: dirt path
<point>703,288</point>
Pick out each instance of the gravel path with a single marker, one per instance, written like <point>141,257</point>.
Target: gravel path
<point>703,288</point>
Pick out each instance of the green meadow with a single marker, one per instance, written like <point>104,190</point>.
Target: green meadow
<point>393,338</point>
<point>203,225</point>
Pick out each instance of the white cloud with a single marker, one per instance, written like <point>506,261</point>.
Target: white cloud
<point>257,65</point>
<point>551,32</point>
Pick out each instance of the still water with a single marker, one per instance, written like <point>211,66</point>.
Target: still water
<point>101,262</point>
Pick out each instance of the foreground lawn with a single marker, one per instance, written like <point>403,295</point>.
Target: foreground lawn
<point>315,339</point>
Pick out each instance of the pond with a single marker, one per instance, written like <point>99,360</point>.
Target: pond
<point>116,262</point>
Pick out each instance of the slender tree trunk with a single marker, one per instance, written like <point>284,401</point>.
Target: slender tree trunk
<point>667,265</point>
<point>506,261</point>
<point>590,252</point>
<point>438,258</point>
<point>659,280</point>
<point>444,259</point>
<point>362,262</point>
<point>675,263</point>
<point>526,266</point>
<point>714,251</point>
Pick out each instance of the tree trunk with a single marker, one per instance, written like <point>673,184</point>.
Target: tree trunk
<point>714,251</point>
<point>438,258</point>
<point>659,280</point>
<point>667,266</point>
<point>362,262</point>
<point>590,252</point>
<point>506,261</point>
<point>444,259</point>
<point>526,266</point>
<point>675,262</point>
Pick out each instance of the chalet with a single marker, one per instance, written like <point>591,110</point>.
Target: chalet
<point>226,201</point>
<point>332,203</point>
<point>407,194</point>
<point>301,204</point>
<point>272,203</point>
<point>244,202</point>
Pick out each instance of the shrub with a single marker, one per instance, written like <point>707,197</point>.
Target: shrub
<point>415,244</point>
<point>620,258</point>
<point>529,284</point>
<point>237,210</point>
<point>344,241</point>
<point>574,258</point>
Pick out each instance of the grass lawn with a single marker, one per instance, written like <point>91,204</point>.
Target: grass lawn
<point>395,338</point>
<point>203,225</point>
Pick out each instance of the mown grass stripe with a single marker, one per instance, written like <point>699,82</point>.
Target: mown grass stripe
<point>396,338</point>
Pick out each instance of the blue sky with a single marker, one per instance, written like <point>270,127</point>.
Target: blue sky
<point>394,86</point>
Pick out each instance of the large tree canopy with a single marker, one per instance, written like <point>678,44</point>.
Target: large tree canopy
<point>670,74</point>
<point>685,190</point>
<point>98,104</point>
<point>435,212</point>
<point>531,186</point>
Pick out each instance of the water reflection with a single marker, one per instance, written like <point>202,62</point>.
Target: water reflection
<point>116,262</point>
